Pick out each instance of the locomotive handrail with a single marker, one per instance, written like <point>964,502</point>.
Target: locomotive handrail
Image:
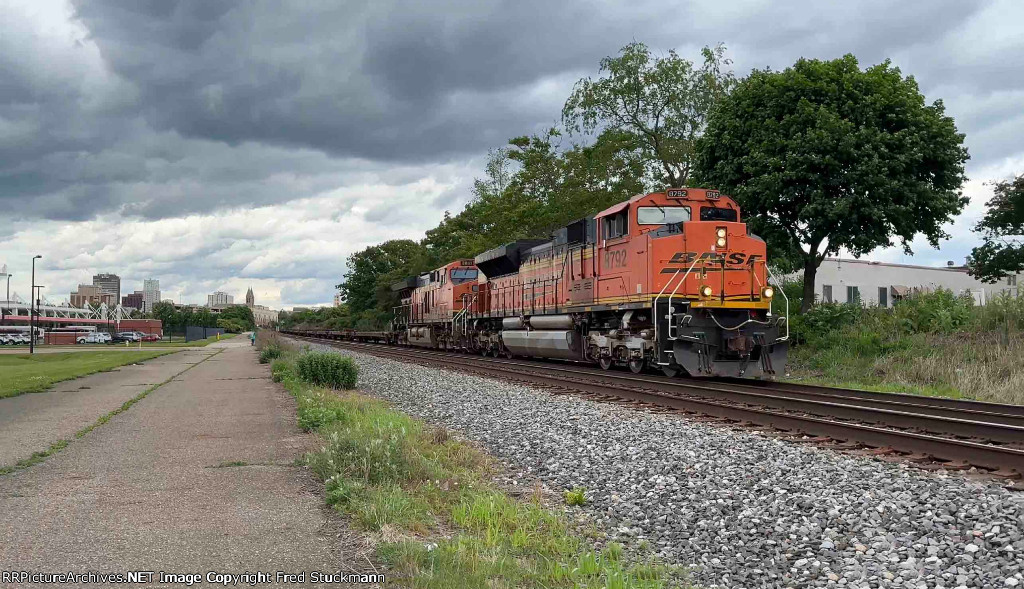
<point>658,298</point>
<point>771,276</point>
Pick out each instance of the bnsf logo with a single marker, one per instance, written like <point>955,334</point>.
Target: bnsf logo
<point>735,259</point>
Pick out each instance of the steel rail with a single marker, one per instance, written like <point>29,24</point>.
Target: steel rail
<point>991,413</point>
<point>746,406</point>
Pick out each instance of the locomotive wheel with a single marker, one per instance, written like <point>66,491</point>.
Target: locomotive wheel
<point>605,362</point>
<point>670,371</point>
<point>508,354</point>
<point>636,365</point>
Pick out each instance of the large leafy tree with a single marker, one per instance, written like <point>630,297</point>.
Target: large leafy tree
<point>371,268</point>
<point>549,187</point>
<point>659,104</point>
<point>238,315</point>
<point>825,156</point>
<point>1002,228</point>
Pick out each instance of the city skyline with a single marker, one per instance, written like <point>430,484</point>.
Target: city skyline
<point>126,285</point>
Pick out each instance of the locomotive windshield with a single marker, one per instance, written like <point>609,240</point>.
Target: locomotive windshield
<point>662,215</point>
<point>717,214</point>
<point>460,275</point>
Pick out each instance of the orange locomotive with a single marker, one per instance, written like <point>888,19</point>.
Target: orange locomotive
<point>669,280</point>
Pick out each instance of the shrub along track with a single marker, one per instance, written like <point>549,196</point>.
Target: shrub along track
<point>932,432</point>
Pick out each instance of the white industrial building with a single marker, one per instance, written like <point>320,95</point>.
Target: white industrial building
<point>150,294</point>
<point>881,283</point>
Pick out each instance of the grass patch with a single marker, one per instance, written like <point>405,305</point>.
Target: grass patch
<point>34,373</point>
<point>59,445</point>
<point>194,343</point>
<point>430,501</point>
<point>932,344</point>
<point>576,496</point>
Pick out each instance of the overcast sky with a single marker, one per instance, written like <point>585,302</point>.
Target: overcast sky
<point>216,145</point>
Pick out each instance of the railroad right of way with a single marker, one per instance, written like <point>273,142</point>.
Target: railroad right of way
<point>741,509</point>
<point>949,434</point>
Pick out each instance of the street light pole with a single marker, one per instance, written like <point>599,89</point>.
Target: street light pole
<point>7,301</point>
<point>32,310</point>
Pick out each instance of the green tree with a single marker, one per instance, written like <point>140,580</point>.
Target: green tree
<point>659,104</point>
<point>1002,253</point>
<point>203,318</point>
<point>550,187</point>
<point>166,313</point>
<point>824,156</point>
<point>237,314</point>
<point>369,269</point>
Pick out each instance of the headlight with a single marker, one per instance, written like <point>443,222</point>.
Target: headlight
<point>705,291</point>
<point>768,292</point>
<point>721,242</point>
<point>721,231</point>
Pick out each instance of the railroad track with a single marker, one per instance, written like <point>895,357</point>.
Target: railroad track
<point>949,433</point>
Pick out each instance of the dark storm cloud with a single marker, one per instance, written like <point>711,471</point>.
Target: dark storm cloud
<point>376,79</point>
<point>163,108</point>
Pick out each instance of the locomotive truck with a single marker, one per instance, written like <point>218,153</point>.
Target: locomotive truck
<point>670,281</point>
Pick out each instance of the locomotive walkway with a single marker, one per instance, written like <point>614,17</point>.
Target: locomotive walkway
<point>197,476</point>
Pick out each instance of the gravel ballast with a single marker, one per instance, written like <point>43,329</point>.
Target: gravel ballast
<point>739,509</point>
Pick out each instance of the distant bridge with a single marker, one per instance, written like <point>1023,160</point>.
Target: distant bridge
<point>18,311</point>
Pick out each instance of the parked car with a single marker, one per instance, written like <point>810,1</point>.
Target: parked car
<point>150,337</point>
<point>130,336</point>
<point>94,337</point>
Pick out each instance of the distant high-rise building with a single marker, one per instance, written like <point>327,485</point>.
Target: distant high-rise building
<point>91,295</point>
<point>136,300</point>
<point>150,294</point>
<point>219,299</point>
<point>108,283</point>
<point>337,299</point>
<point>250,298</point>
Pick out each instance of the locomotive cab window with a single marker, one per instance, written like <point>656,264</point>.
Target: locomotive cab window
<point>662,215</point>
<point>615,225</point>
<point>460,275</point>
<point>717,214</point>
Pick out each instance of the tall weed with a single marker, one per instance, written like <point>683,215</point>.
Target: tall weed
<point>327,369</point>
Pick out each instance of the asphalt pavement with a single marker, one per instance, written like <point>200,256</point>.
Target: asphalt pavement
<point>197,477</point>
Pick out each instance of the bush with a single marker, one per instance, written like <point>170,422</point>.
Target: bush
<point>933,312</point>
<point>327,369</point>
<point>279,370</point>
<point>825,317</point>
<point>1000,313</point>
<point>271,351</point>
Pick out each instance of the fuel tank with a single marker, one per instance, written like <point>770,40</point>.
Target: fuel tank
<point>551,322</point>
<point>421,336</point>
<point>543,343</point>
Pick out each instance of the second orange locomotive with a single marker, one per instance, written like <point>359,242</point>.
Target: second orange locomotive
<point>668,280</point>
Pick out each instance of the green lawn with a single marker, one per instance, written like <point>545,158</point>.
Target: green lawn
<point>31,374</point>
<point>181,343</point>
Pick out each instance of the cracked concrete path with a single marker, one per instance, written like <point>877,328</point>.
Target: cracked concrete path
<point>149,490</point>
<point>31,422</point>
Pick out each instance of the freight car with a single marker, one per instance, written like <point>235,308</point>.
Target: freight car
<point>668,280</point>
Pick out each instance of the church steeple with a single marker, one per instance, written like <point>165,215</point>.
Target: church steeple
<point>250,299</point>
